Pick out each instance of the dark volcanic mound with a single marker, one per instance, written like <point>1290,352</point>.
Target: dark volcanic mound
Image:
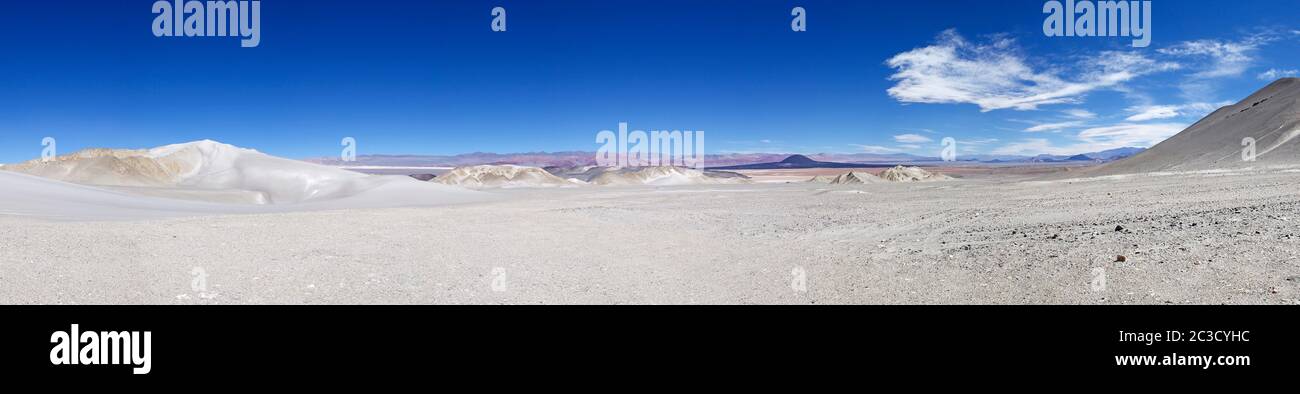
<point>800,161</point>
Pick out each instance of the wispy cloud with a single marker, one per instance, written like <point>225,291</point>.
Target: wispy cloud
<point>1223,58</point>
<point>912,138</point>
<point>1274,73</point>
<point>1214,60</point>
<point>977,141</point>
<point>1152,112</point>
<point>1096,139</point>
<point>1053,127</point>
<point>876,149</point>
<point>997,75</point>
<point>1079,113</point>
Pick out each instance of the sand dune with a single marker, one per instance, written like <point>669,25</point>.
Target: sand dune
<point>848,178</point>
<point>657,176</point>
<point>1270,116</point>
<point>202,177</point>
<point>911,174</point>
<point>666,176</point>
<point>502,176</point>
<point>189,169</point>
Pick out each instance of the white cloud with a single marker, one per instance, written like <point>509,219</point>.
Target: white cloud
<point>1128,134</point>
<point>1274,73</point>
<point>1096,139</point>
<point>910,146</point>
<point>1054,127</point>
<point>1225,58</point>
<point>1079,113</point>
<point>996,75</point>
<point>977,141</point>
<point>1152,112</point>
<point>911,138</point>
<point>1027,147</point>
<point>876,149</point>
<point>765,141</point>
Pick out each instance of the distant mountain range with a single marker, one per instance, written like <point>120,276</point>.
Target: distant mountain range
<point>822,160</point>
<point>1102,156</point>
<point>797,161</point>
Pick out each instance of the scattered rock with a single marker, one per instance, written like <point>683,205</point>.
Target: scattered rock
<point>1120,259</point>
<point>1119,228</point>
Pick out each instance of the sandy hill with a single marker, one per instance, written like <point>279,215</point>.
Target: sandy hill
<point>582,173</point>
<point>848,178</point>
<point>665,176</point>
<point>911,174</point>
<point>503,176</point>
<point>215,172</point>
<point>1271,116</point>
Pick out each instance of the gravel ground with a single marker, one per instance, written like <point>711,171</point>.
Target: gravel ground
<point>1225,238</point>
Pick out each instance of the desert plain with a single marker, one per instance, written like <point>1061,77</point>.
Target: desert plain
<point>1215,237</point>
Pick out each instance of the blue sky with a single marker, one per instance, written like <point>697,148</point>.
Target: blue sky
<point>430,77</point>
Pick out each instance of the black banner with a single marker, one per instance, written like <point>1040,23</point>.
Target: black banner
<point>465,343</point>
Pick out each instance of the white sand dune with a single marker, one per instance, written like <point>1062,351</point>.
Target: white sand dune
<point>32,196</point>
<point>848,178</point>
<point>895,174</point>
<point>501,176</point>
<point>512,176</point>
<point>201,177</point>
<point>666,176</point>
<point>911,174</point>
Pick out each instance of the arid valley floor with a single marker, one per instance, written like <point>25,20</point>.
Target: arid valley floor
<point>1200,238</point>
